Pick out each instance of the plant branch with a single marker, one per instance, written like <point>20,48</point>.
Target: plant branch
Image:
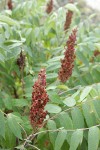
<point>23,129</point>
<point>15,92</point>
<point>33,146</point>
<point>3,112</point>
<point>29,139</point>
<point>70,130</point>
<point>68,109</point>
<point>33,135</point>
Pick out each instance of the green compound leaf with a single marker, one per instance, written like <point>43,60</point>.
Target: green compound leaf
<point>70,101</point>
<point>85,92</point>
<point>60,140</point>
<point>2,125</point>
<point>93,138</point>
<point>52,135</point>
<point>14,126</point>
<point>76,139</point>
<point>52,108</point>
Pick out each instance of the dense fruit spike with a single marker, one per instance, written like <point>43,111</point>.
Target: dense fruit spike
<point>39,100</point>
<point>68,21</point>
<point>10,6</point>
<point>49,7</point>
<point>21,61</point>
<point>67,63</point>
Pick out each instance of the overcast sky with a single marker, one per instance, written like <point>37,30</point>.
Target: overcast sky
<point>94,4</point>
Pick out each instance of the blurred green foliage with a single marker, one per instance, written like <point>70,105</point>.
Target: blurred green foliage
<point>74,106</point>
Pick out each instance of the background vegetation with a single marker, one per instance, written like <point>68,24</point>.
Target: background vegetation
<point>73,118</point>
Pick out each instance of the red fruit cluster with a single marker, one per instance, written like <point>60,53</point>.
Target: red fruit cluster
<point>21,61</point>
<point>49,7</point>
<point>10,6</point>
<point>71,1</point>
<point>39,100</point>
<point>96,53</point>
<point>68,21</point>
<point>67,63</point>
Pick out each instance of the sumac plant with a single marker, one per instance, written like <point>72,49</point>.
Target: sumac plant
<point>49,77</point>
